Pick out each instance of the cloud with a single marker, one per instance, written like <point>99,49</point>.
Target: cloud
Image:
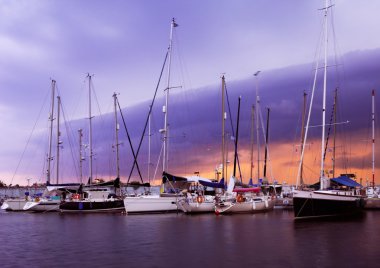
<point>195,124</point>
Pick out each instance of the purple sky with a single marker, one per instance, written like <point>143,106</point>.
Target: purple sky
<point>123,44</point>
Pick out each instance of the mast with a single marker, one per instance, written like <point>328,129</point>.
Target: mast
<point>80,131</point>
<point>373,138</point>
<point>116,136</point>
<point>266,145</point>
<point>51,119</point>
<point>90,127</point>
<point>303,134</point>
<point>58,134</point>
<point>257,124</point>
<point>334,125</point>
<point>237,135</point>
<point>165,157</point>
<point>322,175</point>
<point>223,131</point>
<point>252,139</point>
<point>149,143</point>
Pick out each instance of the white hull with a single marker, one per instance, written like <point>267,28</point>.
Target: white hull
<point>190,205</point>
<point>252,206</point>
<point>42,206</point>
<point>150,204</point>
<point>14,204</point>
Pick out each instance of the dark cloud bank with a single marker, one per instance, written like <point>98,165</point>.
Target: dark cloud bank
<point>194,116</point>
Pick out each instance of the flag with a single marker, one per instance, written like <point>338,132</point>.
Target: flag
<point>174,23</point>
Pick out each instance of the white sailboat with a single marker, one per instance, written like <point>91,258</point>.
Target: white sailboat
<point>323,202</point>
<point>239,199</point>
<point>198,200</point>
<point>243,200</point>
<point>199,197</point>
<point>164,202</point>
<point>51,198</point>
<point>15,204</point>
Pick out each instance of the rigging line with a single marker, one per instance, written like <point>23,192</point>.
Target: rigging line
<point>313,88</point>
<point>264,135</point>
<point>329,131</point>
<point>147,118</point>
<point>130,141</point>
<point>69,132</point>
<point>29,138</point>
<point>102,120</point>
<point>158,162</point>
<point>233,131</point>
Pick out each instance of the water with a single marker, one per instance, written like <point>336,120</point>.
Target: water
<point>273,239</point>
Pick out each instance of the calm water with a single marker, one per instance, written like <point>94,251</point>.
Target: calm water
<point>273,239</point>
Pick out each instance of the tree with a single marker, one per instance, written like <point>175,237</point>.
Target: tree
<point>2,184</point>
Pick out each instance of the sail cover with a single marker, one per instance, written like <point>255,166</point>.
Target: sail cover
<point>346,181</point>
<point>213,184</point>
<point>169,177</point>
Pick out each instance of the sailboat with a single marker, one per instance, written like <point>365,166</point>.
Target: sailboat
<point>325,201</point>
<point>15,204</point>
<point>166,201</point>
<point>99,197</point>
<point>201,192</point>
<point>199,197</point>
<point>51,198</point>
<point>240,199</point>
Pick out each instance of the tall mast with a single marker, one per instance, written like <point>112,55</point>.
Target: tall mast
<point>116,136</point>
<point>165,157</point>
<point>322,175</point>
<point>149,143</point>
<point>303,134</point>
<point>373,138</point>
<point>80,131</point>
<point>237,136</point>
<point>252,139</point>
<point>90,127</point>
<point>334,139</point>
<point>257,124</point>
<point>58,134</point>
<point>223,131</point>
<point>51,119</point>
<point>266,145</point>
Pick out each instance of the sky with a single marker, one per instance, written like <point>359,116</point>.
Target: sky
<point>123,45</point>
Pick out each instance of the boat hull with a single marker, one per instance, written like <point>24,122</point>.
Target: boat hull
<point>372,203</point>
<point>42,206</point>
<point>284,203</point>
<point>324,203</point>
<point>251,206</point>
<point>189,206</point>
<point>92,206</point>
<point>14,204</point>
<point>150,204</point>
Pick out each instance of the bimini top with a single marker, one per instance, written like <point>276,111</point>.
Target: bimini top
<point>213,184</point>
<point>169,177</point>
<point>346,181</point>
